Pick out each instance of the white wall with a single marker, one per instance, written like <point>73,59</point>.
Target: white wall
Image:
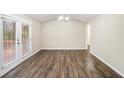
<point>87,28</point>
<point>67,35</point>
<point>88,34</point>
<point>36,32</point>
<point>107,39</point>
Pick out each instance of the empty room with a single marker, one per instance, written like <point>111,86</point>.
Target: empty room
<point>61,46</point>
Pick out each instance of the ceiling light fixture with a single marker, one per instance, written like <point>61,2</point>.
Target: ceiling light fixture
<point>63,18</point>
<point>67,18</point>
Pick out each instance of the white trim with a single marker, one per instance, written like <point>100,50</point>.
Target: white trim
<point>63,48</point>
<point>11,17</point>
<point>1,37</point>
<point>117,71</point>
<point>36,52</point>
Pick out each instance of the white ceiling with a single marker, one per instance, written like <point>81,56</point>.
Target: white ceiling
<point>45,17</point>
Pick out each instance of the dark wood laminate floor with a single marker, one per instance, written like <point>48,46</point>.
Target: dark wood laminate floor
<point>61,64</point>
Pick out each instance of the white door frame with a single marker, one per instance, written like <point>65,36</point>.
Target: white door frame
<point>1,37</point>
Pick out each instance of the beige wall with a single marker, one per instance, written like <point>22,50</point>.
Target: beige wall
<point>36,32</point>
<point>107,39</point>
<point>67,35</point>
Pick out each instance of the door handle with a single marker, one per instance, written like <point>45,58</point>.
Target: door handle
<point>18,40</point>
<point>18,43</point>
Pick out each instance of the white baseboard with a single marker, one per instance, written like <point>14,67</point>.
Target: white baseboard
<point>117,71</point>
<point>63,48</point>
<point>30,55</point>
<point>36,52</point>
